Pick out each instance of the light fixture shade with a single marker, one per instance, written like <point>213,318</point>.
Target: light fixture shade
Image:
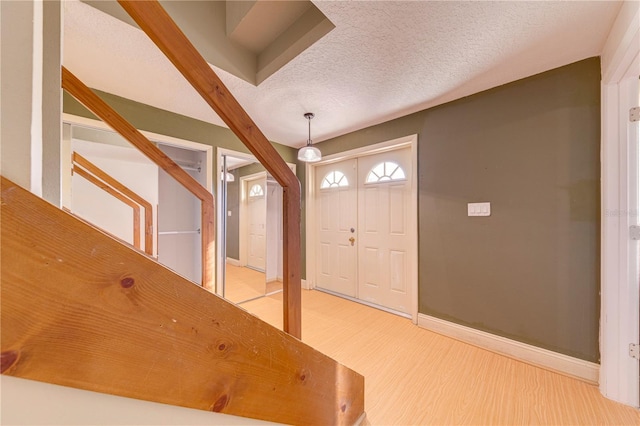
<point>230,177</point>
<point>309,154</point>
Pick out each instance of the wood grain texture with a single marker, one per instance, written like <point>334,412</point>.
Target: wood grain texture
<point>109,190</point>
<point>118,186</point>
<point>164,32</point>
<point>417,377</point>
<point>85,96</point>
<point>80,309</point>
<point>291,269</point>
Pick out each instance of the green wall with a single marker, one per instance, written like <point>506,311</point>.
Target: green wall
<point>233,221</point>
<point>530,271</point>
<point>145,117</point>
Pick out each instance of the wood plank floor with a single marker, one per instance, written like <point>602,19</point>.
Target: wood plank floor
<point>417,377</point>
<point>245,283</point>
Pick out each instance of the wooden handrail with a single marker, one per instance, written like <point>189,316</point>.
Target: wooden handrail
<point>85,96</point>
<point>126,200</point>
<point>164,32</point>
<point>109,181</point>
<point>81,309</point>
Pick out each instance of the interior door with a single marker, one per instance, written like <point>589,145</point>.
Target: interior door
<point>336,216</point>
<point>384,218</point>
<point>256,216</point>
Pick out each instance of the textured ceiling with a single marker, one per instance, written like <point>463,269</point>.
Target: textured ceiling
<point>383,60</point>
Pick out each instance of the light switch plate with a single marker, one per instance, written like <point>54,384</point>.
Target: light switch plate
<point>479,209</point>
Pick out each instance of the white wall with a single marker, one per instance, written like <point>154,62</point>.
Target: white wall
<point>30,77</point>
<point>619,323</point>
<point>129,167</point>
<point>27,402</point>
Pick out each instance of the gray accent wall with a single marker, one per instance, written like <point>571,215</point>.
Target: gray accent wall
<point>233,221</point>
<point>530,271</point>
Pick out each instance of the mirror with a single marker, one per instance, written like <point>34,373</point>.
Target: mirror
<point>251,212</point>
<point>113,186</point>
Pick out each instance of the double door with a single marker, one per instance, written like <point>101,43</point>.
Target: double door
<point>364,230</point>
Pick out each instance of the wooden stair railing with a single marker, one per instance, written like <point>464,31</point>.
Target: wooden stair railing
<point>85,96</point>
<point>98,177</point>
<point>109,190</point>
<point>163,31</point>
<point>81,309</point>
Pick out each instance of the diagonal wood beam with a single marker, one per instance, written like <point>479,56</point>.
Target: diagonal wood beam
<point>81,309</point>
<point>116,194</point>
<point>86,97</point>
<point>164,32</point>
<point>102,110</point>
<point>110,182</point>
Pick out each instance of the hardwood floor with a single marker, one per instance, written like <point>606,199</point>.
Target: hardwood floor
<point>245,283</point>
<point>417,377</point>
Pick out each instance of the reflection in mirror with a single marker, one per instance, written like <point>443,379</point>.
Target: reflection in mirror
<point>252,230</point>
<point>116,188</point>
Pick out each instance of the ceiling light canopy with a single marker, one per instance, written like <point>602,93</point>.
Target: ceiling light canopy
<point>309,154</point>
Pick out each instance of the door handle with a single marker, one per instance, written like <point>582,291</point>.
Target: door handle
<point>352,240</point>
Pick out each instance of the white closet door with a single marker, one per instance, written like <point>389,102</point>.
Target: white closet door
<point>384,216</point>
<point>336,216</point>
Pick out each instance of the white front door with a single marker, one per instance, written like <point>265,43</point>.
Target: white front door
<point>364,228</point>
<point>256,225</point>
<point>384,236</point>
<point>336,204</point>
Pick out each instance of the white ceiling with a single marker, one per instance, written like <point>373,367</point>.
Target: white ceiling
<point>383,60</point>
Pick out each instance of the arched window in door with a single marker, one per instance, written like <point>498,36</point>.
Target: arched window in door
<point>386,171</point>
<point>256,191</point>
<point>334,179</point>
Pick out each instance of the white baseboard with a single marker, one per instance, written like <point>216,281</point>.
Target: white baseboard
<point>305,284</point>
<point>544,358</point>
<point>232,261</point>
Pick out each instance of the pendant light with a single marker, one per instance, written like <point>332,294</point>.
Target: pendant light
<point>229,176</point>
<point>309,154</point>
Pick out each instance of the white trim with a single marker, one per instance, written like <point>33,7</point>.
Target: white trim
<point>622,43</point>
<point>366,303</point>
<point>305,285</point>
<point>620,316</point>
<point>410,141</point>
<point>539,357</point>
<point>153,137</point>
<point>233,262</point>
<point>37,61</point>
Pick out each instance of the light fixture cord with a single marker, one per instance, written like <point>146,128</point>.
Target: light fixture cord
<point>309,139</point>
